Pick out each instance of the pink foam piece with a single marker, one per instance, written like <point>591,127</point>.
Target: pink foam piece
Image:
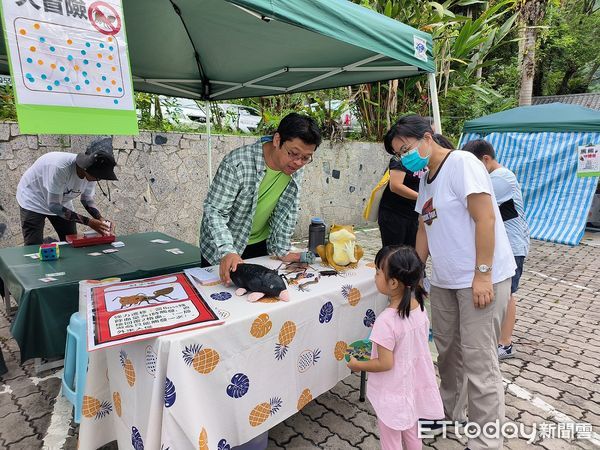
<point>239,292</point>
<point>255,296</point>
<point>284,295</point>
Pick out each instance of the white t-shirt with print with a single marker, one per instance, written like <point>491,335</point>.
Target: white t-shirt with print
<point>55,173</point>
<point>442,204</point>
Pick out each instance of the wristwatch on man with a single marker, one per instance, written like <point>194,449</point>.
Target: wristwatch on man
<point>483,268</point>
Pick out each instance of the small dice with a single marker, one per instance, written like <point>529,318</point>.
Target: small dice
<point>49,252</point>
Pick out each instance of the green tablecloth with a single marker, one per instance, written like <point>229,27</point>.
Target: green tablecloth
<point>39,326</point>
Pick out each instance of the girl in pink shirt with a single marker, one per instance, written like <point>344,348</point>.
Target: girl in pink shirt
<point>402,386</point>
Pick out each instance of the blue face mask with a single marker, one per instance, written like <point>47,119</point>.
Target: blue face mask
<point>413,161</point>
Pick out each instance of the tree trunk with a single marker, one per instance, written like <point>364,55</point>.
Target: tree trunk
<point>215,113</point>
<point>479,73</point>
<point>564,84</point>
<point>527,67</point>
<point>538,77</point>
<point>364,108</point>
<point>538,81</point>
<point>521,30</point>
<point>391,106</point>
<point>532,13</point>
<point>158,115</point>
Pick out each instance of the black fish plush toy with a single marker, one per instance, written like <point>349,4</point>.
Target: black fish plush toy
<point>260,281</point>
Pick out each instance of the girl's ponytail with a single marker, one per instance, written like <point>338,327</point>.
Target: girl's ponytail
<point>420,294</point>
<point>404,306</point>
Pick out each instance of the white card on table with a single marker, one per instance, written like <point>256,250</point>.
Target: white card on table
<point>47,279</point>
<point>201,275</point>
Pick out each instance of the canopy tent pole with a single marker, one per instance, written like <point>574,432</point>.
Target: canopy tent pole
<point>209,141</point>
<point>171,83</point>
<point>248,83</point>
<point>329,72</point>
<point>161,83</point>
<point>435,106</point>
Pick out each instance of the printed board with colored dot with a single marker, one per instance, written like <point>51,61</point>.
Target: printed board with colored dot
<point>60,59</point>
<point>69,66</point>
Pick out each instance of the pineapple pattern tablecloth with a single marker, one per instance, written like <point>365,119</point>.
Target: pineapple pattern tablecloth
<point>218,387</point>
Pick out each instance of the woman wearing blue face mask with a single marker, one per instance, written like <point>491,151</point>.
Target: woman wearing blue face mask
<point>460,226</point>
<point>398,221</point>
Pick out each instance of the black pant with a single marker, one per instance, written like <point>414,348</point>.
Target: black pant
<point>251,251</point>
<point>3,368</point>
<point>32,225</point>
<point>397,230</point>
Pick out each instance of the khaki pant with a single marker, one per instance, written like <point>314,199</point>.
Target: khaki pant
<point>467,341</point>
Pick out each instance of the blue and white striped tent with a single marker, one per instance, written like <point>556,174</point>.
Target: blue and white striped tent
<point>539,144</point>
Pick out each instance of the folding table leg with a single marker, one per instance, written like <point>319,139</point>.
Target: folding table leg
<point>39,366</point>
<point>7,300</point>
<point>3,368</point>
<point>363,386</point>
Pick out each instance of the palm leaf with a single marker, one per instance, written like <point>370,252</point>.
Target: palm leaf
<point>470,2</point>
<point>388,9</point>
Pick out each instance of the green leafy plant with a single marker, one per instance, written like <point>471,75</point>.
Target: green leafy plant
<point>7,103</point>
<point>327,117</point>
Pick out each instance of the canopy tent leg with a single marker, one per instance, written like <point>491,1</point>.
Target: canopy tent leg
<point>209,141</point>
<point>435,105</point>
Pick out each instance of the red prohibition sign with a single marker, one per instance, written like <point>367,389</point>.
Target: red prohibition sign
<point>109,24</point>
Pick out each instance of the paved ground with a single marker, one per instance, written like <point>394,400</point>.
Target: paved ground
<point>554,380</point>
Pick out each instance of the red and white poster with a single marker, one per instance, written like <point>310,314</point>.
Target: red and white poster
<point>142,309</point>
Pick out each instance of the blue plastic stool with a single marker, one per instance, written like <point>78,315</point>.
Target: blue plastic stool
<point>76,361</point>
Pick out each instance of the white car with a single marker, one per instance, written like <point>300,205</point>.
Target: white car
<point>178,111</point>
<point>182,111</point>
<point>187,112</point>
<point>240,117</point>
<point>191,110</point>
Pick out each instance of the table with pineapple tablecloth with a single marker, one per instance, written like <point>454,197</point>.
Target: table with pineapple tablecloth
<point>222,386</point>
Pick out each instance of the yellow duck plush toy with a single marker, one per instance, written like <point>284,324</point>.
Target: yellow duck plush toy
<point>342,251</point>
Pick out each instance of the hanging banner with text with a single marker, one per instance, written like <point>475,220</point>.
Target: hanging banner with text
<point>70,66</point>
<point>588,161</point>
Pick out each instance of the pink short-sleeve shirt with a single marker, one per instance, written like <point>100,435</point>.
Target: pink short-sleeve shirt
<point>408,391</point>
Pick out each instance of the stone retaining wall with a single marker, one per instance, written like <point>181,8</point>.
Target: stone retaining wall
<point>163,180</point>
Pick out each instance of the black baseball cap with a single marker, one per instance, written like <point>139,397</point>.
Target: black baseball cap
<point>99,160</point>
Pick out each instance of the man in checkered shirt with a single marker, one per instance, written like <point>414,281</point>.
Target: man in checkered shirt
<point>251,207</point>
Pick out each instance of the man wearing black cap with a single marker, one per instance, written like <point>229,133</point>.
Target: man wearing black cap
<point>48,187</point>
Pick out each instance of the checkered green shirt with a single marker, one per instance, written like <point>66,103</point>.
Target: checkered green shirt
<point>231,203</point>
